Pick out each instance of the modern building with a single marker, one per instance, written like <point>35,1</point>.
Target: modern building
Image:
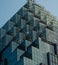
<point>30,37</point>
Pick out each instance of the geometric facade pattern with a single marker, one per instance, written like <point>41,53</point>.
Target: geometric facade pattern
<point>30,37</point>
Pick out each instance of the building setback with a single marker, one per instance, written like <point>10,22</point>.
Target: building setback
<point>30,37</point>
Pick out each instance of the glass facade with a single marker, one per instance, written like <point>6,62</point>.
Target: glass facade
<point>30,37</point>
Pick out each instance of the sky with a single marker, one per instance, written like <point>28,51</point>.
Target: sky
<point>9,7</point>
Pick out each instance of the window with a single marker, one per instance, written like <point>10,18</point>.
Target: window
<point>5,62</point>
<point>0,57</point>
<point>52,59</point>
<point>39,15</point>
<point>42,64</point>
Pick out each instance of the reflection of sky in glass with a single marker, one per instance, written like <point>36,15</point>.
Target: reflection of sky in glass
<point>9,7</point>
